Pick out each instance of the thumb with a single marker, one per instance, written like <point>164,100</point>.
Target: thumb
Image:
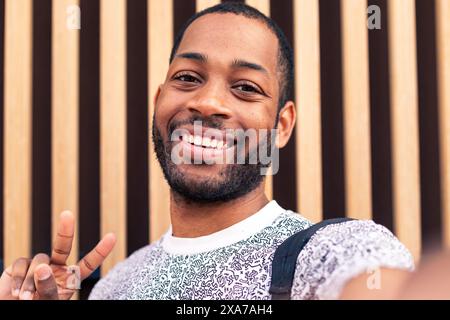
<point>45,283</point>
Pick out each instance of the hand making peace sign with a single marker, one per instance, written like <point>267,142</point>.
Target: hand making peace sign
<point>45,277</point>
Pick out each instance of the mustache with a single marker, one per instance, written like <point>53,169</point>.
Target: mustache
<point>211,122</point>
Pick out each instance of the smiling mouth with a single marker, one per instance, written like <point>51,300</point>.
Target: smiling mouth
<point>207,142</point>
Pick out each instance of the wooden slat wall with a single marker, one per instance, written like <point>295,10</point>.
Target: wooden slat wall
<point>203,4</point>
<point>113,125</point>
<point>307,92</point>
<point>264,7</point>
<point>65,82</point>
<point>355,67</point>
<point>160,34</point>
<point>17,129</point>
<point>406,184</point>
<point>404,123</point>
<point>443,68</point>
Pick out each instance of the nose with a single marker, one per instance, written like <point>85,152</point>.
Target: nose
<point>210,102</point>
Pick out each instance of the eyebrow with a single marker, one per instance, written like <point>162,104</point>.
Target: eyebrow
<point>237,63</point>
<point>193,56</point>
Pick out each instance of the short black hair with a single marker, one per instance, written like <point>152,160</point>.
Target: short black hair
<point>285,54</point>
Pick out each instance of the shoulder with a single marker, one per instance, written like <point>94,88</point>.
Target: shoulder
<point>339,252</point>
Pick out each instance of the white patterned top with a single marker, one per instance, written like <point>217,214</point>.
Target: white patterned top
<point>235,263</point>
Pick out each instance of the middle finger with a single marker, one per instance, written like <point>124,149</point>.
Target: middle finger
<point>28,288</point>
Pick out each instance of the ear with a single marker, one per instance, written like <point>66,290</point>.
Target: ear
<point>286,123</point>
<point>156,97</point>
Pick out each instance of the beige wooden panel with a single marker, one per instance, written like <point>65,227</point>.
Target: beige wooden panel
<point>356,105</point>
<point>203,4</point>
<point>307,92</point>
<point>113,125</point>
<point>65,76</point>
<point>404,123</point>
<point>17,129</point>
<point>160,43</point>
<point>443,63</point>
<point>264,7</point>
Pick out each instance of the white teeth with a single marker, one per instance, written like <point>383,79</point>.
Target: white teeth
<point>198,140</point>
<point>206,142</point>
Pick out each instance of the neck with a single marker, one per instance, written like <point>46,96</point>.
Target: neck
<point>191,219</point>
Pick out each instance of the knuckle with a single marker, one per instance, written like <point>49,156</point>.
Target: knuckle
<point>16,282</point>
<point>88,264</point>
<point>28,283</point>
<point>41,257</point>
<point>20,261</point>
<point>47,291</point>
<point>60,252</point>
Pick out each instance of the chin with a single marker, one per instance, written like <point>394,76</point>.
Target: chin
<point>201,173</point>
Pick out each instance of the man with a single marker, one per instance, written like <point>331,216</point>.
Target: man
<point>230,69</point>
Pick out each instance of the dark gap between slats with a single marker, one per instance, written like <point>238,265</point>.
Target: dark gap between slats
<point>380,119</point>
<point>332,110</point>
<point>182,11</point>
<point>284,187</point>
<point>89,135</point>
<point>428,124</point>
<point>2,47</point>
<point>138,130</point>
<point>41,128</point>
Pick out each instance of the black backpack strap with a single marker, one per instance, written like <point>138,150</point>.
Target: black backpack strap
<point>285,259</point>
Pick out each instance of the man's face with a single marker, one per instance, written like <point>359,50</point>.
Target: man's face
<point>225,75</point>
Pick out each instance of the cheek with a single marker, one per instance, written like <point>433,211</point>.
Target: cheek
<point>261,120</point>
<point>258,119</point>
<point>167,106</point>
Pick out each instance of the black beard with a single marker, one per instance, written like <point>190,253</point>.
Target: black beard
<point>236,180</point>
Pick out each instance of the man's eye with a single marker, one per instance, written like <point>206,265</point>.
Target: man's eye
<point>247,88</point>
<point>186,78</point>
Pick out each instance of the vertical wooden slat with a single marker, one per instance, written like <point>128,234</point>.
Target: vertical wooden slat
<point>160,43</point>
<point>443,70</point>
<point>17,129</point>
<point>404,123</point>
<point>65,62</point>
<point>113,125</point>
<point>264,7</point>
<point>307,92</point>
<point>203,4</point>
<point>356,109</point>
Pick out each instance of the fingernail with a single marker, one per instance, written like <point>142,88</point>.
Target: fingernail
<point>43,273</point>
<point>26,295</point>
<point>66,213</point>
<point>15,292</point>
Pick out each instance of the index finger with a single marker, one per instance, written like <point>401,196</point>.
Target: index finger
<point>64,237</point>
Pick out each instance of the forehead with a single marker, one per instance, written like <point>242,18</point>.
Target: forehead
<point>226,37</point>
